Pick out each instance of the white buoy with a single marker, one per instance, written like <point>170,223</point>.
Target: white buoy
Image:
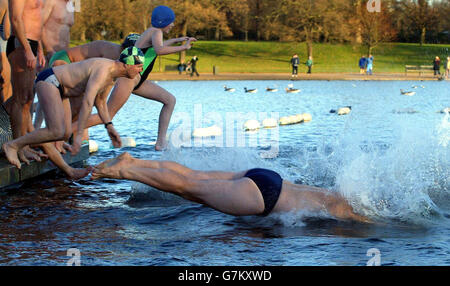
<point>252,125</point>
<point>128,142</point>
<point>294,119</point>
<point>307,117</point>
<point>211,131</point>
<point>270,123</point>
<point>93,146</point>
<point>344,110</point>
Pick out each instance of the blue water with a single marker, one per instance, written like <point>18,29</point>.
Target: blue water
<point>390,158</point>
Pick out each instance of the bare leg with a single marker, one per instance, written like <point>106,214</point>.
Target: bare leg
<point>236,197</point>
<point>178,168</point>
<point>22,80</point>
<point>6,76</point>
<point>54,131</point>
<point>152,91</point>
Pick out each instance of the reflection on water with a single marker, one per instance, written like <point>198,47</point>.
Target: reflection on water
<point>391,163</point>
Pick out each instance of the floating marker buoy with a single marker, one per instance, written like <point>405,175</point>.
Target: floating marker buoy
<point>270,123</point>
<point>252,125</point>
<point>93,146</point>
<point>211,131</point>
<point>306,117</point>
<point>127,142</point>
<point>294,119</point>
<point>344,110</point>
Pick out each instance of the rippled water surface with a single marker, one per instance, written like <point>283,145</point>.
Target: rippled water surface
<point>390,158</point>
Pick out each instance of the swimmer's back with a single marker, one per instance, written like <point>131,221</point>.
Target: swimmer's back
<point>95,49</point>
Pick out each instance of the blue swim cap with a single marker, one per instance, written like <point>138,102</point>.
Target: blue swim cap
<point>162,16</point>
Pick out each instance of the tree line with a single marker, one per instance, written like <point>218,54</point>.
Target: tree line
<point>310,21</point>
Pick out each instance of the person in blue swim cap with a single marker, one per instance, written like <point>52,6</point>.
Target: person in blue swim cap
<point>162,16</point>
<point>152,44</point>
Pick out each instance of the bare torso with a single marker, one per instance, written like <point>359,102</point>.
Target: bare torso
<point>96,49</point>
<point>75,77</point>
<point>56,31</point>
<point>32,19</point>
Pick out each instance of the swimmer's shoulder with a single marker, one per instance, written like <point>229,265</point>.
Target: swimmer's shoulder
<point>145,41</point>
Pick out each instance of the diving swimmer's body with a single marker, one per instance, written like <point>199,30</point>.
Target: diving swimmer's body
<point>253,192</point>
<point>152,44</point>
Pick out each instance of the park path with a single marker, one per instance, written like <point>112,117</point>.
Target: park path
<point>286,76</point>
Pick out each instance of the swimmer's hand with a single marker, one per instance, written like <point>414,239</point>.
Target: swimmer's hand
<point>76,146</point>
<point>114,136</point>
<point>189,44</point>
<point>31,59</point>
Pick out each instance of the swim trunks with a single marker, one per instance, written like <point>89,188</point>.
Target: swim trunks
<point>14,43</point>
<point>49,76</point>
<point>60,56</point>
<point>269,184</point>
<point>150,58</point>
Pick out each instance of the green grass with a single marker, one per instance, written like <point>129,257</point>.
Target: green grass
<point>274,57</point>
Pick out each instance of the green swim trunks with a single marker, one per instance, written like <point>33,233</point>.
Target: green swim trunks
<point>60,56</point>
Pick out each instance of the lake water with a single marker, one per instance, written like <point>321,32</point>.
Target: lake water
<point>390,158</point>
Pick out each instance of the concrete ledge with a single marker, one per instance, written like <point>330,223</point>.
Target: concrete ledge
<point>10,175</point>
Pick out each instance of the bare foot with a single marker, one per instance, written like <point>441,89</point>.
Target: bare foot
<point>11,154</point>
<point>76,174</point>
<point>112,168</point>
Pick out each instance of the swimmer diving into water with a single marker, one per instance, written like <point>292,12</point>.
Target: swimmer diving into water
<point>55,86</point>
<point>253,192</point>
<point>152,44</point>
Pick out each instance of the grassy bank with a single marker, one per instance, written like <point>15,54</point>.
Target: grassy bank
<point>274,57</point>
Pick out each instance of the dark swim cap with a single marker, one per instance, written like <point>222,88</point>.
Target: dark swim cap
<point>130,40</point>
<point>132,56</point>
<point>162,16</point>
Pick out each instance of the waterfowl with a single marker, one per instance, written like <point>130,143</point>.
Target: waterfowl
<point>229,89</point>
<point>250,90</point>
<point>269,89</point>
<point>292,90</point>
<point>408,93</point>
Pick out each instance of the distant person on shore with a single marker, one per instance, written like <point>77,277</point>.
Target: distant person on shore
<point>370,65</point>
<point>85,79</point>
<point>295,62</point>
<point>309,64</point>
<point>362,65</point>
<point>437,66</point>
<point>181,68</point>
<point>256,192</point>
<point>447,68</point>
<point>153,45</point>
<point>194,61</point>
